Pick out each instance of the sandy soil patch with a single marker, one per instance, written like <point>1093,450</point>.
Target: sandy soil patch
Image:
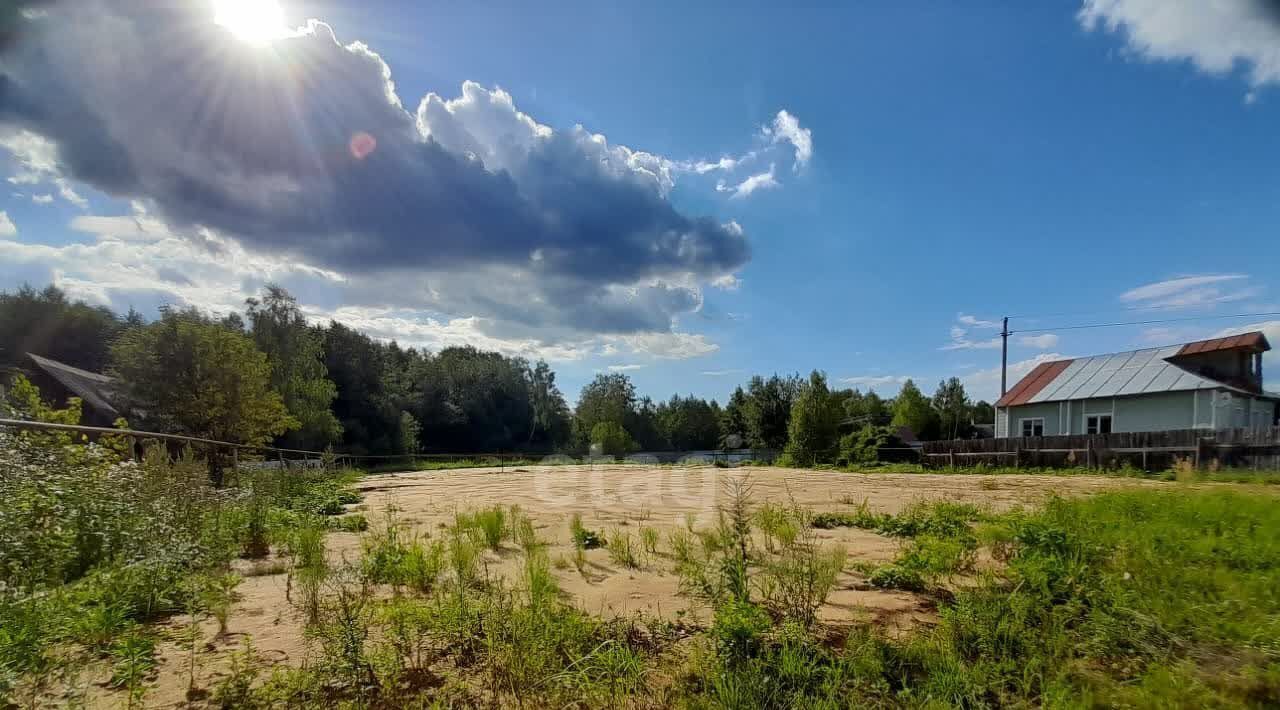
<point>612,499</point>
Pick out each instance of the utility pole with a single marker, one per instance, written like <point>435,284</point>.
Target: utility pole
<point>1004,357</point>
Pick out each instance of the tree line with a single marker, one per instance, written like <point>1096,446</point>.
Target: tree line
<point>267,376</point>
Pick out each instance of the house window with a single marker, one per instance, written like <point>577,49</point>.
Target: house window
<point>1033,427</point>
<point>1098,424</point>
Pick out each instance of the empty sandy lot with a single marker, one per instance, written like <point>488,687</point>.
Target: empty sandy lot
<point>612,499</point>
<point>623,499</point>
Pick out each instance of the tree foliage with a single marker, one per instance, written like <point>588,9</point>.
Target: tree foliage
<point>768,409</point>
<point>48,323</point>
<point>689,423</point>
<point>954,409</point>
<point>185,373</point>
<point>912,409</point>
<point>298,370</point>
<point>811,431</point>
<point>366,396</point>
<point>369,397</point>
<point>610,397</point>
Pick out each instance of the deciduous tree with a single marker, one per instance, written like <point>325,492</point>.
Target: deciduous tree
<point>298,370</point>
<point>186,374</point>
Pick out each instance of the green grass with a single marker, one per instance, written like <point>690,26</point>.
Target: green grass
<point>488,524</point>
<point>1156,597</point>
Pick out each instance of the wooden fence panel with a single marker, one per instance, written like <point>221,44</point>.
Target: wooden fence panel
<point>1149,450</point>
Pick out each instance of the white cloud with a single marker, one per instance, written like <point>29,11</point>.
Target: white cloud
<point>42,199</point>
<point>38,161</point>
<point>7,227</point>
<point>1217,36</point>
<point>725,163</point>
<point>787,128</point>
<point>1042,342</point>
<point>985,384</point>
<point>720,373</point>
<point>873,381</point>
<point>974,322</point>
<point>69,194</point>
<point>624,368</point>
<point>960,341</point>
<point>668,346</point>
<point>1189,292</point>
<point>761,181</point>
<point>728,282</point>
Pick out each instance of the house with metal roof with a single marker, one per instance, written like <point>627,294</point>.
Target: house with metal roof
<point>1208,384</point>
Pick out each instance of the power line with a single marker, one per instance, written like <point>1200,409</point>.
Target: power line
<point>1127,309</point>
<point>1146,322</point>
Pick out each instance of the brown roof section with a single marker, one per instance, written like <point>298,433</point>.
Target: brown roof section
<point>1253,341</point>
<point>1030,386</point>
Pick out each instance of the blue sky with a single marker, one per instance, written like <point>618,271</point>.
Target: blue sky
<point>935,166</point>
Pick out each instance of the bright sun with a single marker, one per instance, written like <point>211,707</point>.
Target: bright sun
<point>254,21</point>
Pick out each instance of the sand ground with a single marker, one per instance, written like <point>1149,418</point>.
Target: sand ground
<point>612,499</point>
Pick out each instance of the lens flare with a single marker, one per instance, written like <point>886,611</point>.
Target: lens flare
<point>362,144</point>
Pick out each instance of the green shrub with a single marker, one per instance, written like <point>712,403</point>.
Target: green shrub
<point>612,439</point>
<point>863,446</point>
<point>583,538</point>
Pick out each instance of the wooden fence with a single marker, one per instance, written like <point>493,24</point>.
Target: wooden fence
<point>1148,450</point>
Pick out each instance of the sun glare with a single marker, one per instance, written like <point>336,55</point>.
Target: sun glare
<point>254,21</point>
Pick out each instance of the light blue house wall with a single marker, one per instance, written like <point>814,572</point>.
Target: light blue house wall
<point>1156,411</point>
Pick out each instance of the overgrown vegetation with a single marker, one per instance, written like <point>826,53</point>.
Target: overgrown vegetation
<point>93,547</point>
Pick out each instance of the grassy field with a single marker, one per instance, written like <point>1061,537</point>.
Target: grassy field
<point>138,585</point>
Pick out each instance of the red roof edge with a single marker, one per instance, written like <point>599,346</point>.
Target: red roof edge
<point>1254,341</point>
<point>1036,380</point>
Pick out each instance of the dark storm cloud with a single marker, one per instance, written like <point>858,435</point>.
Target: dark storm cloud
<point>272,145</point>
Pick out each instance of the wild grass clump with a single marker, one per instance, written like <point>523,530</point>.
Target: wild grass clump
<point>402,559</point>
<point>623,550</point>
<point>490,524</point>
<point>583,538</point>
<point>942,518</point>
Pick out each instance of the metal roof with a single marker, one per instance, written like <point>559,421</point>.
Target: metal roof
<point>91,387</point>
<point>1122,374</point>
<point>1254,341</point>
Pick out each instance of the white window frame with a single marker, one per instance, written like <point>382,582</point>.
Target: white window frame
<point>1099,416</point>
<point>1022,427</point>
